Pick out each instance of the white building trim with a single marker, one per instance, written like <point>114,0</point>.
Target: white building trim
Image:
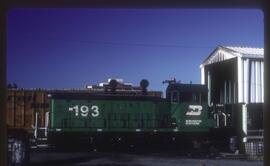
<point>202,75</point>
<point>240,80</point>
<point>246,80</point>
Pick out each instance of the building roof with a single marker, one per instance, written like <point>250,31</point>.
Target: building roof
<point>247,51</point>
<point>222,53</point>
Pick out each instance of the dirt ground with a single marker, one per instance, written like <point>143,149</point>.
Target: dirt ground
<point>157,158</point>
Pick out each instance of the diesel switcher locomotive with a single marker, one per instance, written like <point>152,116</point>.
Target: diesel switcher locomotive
<point>109,117</point>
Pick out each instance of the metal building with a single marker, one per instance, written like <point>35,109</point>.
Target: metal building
<point>234,75</point>
<point>235,80</point>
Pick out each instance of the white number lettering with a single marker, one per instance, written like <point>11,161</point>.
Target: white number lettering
<point>75,108</point>
<point>84,110</point>
<point>95,111</point>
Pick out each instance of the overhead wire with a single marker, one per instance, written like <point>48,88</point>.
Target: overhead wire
<point>127,43</point>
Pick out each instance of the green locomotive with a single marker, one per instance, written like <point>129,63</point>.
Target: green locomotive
<point>97,117</point>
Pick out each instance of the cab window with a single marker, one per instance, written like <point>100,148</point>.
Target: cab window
<point>190,97</point>
<point>174,96</point>
<point>196,98</point>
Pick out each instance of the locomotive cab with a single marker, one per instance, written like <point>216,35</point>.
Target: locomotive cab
<point>189,106</point>
<point>192,93</point>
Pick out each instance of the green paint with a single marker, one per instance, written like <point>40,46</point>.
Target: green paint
<point>126,116</point>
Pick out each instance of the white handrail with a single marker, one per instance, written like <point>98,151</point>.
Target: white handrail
<point>46,123</point>
<point>36,124</point>
<point>216,116</point>
<point>225,118</point>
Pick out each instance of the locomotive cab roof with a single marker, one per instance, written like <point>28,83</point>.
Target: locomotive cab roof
<point>187,88</point>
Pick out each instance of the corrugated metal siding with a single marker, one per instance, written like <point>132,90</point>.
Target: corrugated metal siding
<point>250,81</point>
<point>250,73</point>
<point>256,80</point>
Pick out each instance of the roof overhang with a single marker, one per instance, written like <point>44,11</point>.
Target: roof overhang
<point>222,53</point>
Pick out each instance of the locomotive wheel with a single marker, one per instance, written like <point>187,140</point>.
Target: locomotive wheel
<point>213,151</point>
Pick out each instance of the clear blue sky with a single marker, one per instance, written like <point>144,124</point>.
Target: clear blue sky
<point>69,48</point>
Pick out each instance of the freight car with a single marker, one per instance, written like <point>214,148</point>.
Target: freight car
<point>181,119</point>
<point>26,114</point>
